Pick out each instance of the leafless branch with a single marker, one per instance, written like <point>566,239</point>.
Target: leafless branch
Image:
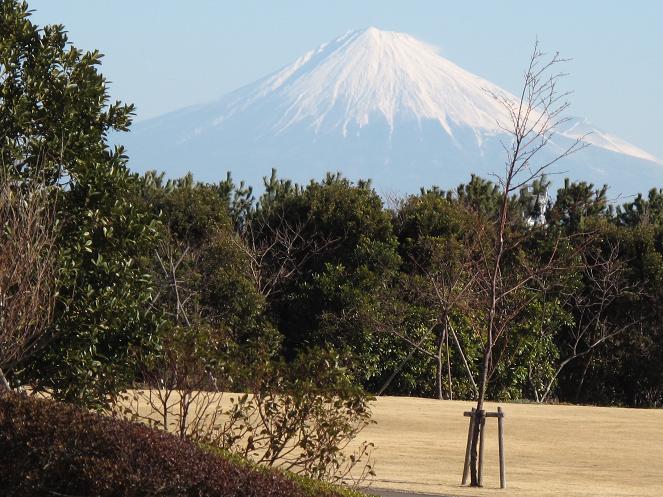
<point>28,289</point>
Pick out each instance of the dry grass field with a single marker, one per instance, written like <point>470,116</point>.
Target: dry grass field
<point>569,451</point>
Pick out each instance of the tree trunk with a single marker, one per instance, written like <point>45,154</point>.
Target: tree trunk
<point>479,413</point>
<point>490,329</point>
<point>462,356</point>
<point>4,384</point>
<point>584,375</point>
<point>446,338</point>
<point>440,342</point>
<point>393,374</point>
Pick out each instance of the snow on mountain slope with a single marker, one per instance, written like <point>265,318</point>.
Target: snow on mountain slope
<point>378,72</point>
<point>372,104</point>
<point>581,127</point>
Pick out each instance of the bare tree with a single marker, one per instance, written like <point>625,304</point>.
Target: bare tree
<point>535,115</point>
<point>307,431</point>
<point>27,273</point>
<point>605,284</point>
<point>174,291</point>
<point>277,248</point>
<point>450,279</point>
<point>441,290</point>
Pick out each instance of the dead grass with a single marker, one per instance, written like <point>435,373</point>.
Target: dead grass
<point>570,451</point>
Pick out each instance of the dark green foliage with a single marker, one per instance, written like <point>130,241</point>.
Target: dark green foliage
<point>642,211</point>
<point>54,111</point>
<point>199,245</point>
<point>578,203</point>
<point>433,231</point>
<point>365,281</point>
<point>216,335</point>
<point>482,195</point>
<point>52,448</point>
<point>435,241</point>
<point>628,371</point>
<point>340,249</point>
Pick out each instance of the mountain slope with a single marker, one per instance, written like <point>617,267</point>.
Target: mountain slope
<point>371,104</point>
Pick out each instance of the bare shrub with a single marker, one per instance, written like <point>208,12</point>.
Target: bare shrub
<point>27,272</point>
<point>301,417</point>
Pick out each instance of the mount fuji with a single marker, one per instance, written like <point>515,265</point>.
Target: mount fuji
<point>370,104</point>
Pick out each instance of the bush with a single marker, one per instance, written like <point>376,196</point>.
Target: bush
<point>49,448</point>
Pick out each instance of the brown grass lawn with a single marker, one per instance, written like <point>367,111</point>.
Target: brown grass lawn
<point>570,451</point>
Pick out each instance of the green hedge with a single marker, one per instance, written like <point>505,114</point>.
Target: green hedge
<point>50,448</point>
<point>310,487</point>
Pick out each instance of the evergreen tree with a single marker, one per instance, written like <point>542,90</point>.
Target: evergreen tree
<point>55,116</point>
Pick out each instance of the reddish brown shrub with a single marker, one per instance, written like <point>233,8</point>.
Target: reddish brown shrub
<point>49,448</point>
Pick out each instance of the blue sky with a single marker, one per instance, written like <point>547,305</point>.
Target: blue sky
<point>167,54</point>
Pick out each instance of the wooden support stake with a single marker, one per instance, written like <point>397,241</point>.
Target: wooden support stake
<point>466,467</point>
<point>500,430</point>
<point>480,417</point>
<point>481,436</point>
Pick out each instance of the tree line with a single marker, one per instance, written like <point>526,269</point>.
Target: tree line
<point>392,290</point>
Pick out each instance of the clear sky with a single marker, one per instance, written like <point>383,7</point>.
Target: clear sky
<point>167,54</point>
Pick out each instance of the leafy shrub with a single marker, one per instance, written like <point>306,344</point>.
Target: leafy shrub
<point>48,448</point>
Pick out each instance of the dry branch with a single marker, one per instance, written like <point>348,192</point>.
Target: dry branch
<point>27,272</point>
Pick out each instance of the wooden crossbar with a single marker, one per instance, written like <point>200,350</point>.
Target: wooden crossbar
<point>498,414</point>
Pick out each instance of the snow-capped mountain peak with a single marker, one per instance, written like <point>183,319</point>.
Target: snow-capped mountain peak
<point>371,104</point>
<point>372,74</point>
